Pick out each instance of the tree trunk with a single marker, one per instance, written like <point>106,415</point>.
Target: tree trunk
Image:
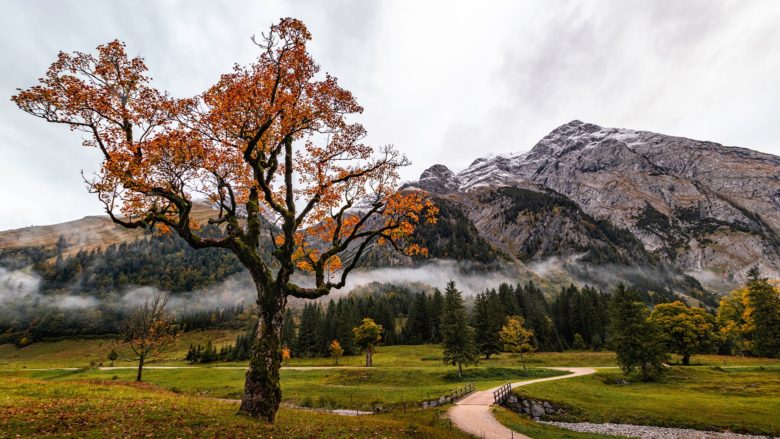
<point>262,391</point>
<point>686,360</point>
<point>369,357</point>
<point>460,369</point>
<point>140,368</point>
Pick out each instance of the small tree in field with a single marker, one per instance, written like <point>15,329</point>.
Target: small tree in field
<point>367,336</point>
<point>335,351</point>
<point>457,335</point>
<point>148,330</point>
<point>274,141</point>
<point>112,356</point>
<point>516,337</point>
<point>286,355</point>
<point>684,330</point>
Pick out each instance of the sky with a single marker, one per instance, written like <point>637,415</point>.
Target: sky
<point>444,81</point>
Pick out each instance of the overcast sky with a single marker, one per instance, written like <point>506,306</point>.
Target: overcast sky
<point>446,82</point>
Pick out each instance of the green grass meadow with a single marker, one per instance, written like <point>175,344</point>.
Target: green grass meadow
<point>56,389</point>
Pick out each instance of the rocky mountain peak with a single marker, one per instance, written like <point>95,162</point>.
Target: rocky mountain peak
<point>438,179</point>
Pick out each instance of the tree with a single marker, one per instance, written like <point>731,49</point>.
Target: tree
<point>578,344</point>
<point>487,321</point>
<point>684,330</point>
<point>762,316</point>
<point>516,337</point>
<point>731,322</point>
<point>336,351</point>
<point>457,335</point>
<point>288,329</point>
<point>149,329</point>
<point>367,336</point>
<point>749,318</point>
<point>437,304</point>
<point>286,355</point>
<point>272,140</point>
<point>637,341</point>
<point>112,356</point>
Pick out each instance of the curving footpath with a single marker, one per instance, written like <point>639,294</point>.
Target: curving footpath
<point>472,414</point>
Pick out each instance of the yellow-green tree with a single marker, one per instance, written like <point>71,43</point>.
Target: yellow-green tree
<point>367,336</point>
<point>685,330</point>
<point>336,351</point>
<point>516,337</point>
<point>749,318</point>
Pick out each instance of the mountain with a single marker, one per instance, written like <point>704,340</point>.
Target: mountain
<point>85,234</point>
<point>586,203</point>
<point>703,208</point>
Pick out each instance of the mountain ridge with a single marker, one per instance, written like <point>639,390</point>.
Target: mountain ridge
<point>697,204</point>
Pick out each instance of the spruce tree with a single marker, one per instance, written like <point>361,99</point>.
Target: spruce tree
<point>457,335</point>
<point>637,342</point>
<point>288,330</point>
<point>436,307</point>
<point>487,320</point>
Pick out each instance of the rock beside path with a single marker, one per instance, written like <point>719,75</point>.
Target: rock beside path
<point>649,432</point>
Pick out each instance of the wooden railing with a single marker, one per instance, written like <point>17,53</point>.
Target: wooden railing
<point>461,391</point>
<point>449,397</point>
<point>502,393</point>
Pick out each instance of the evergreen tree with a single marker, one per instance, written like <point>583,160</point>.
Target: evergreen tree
<point>457,335</point>
<point>436,307</point>
<point>288,330</point>
<point>487,319</point>
<point>418,321</point>
<point>637,342</point>
<point>308,343</point>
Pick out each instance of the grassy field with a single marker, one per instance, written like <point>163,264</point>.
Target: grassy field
<point>357,389</point>
<point>724,393</point>
<point>81,352</point>
<point>743,399</point>
<point>35,408</point>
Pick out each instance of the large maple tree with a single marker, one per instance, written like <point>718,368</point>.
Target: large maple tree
<point>272,145</point>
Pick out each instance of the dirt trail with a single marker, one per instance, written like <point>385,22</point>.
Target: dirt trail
<point>472,414</point>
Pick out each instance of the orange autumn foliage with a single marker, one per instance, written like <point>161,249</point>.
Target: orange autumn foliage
<point>274,140</point>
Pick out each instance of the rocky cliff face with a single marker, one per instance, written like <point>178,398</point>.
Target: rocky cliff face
<point>706,208</point>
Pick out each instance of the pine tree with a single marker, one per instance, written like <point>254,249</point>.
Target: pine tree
<point>418,322</point>
<point>436,307</point>
<point>457,335</point>
<point>637,342</point>
<point>288,330</point>
<point>487,319</point>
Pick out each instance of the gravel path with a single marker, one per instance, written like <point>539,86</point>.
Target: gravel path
<point>648,432</point>
<point>472,414</point>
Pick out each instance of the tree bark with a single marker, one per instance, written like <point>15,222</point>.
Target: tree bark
<point>140,368</point>
<point>262,390</point>
<point>369,356</point>
<point>686,360</point>
<point>460,369</point>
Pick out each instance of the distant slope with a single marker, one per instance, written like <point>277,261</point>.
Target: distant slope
<point>88,233</point>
